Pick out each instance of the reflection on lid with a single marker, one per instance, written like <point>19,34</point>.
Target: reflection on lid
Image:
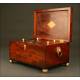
<point>51,24</point>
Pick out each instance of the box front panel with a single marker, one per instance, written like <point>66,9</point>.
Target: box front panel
<point>57,54</point>
<point>31,54</point>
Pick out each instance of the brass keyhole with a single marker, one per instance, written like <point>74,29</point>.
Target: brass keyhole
<point>24,47</point>
<point>47,42</point>
<point>59,53</point>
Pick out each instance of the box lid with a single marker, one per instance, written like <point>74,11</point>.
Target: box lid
<point>53,24</point>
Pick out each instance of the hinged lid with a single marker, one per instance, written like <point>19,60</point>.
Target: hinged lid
<point>53,24</point>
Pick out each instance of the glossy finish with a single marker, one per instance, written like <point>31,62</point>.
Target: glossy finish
<point>38,53</point>
<point>51,39</point>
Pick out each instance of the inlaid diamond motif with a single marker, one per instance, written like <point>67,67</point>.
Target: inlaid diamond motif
<point>51,24</point>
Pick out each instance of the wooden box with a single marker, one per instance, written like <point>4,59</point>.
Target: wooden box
<point>50,43</point>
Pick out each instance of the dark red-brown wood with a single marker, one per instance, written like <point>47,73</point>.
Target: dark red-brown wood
<point>51,39</point>
<point>39,53</point>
